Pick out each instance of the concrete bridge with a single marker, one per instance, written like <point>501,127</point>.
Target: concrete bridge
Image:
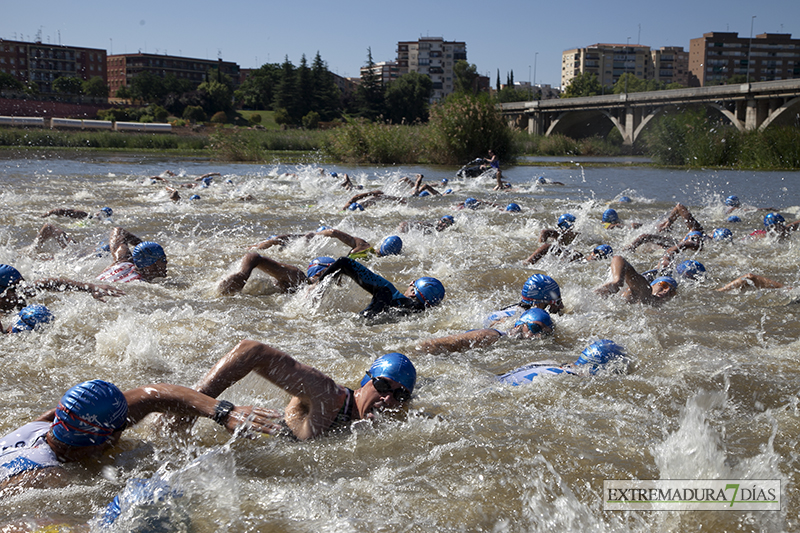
<point>747,106</point>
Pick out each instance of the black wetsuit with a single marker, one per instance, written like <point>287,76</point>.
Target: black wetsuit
<point>385,296</point>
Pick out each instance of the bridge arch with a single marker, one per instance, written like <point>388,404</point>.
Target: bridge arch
<point>780,114</point>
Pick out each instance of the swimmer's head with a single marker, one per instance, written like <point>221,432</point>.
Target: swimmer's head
<point>89,413</point>
<point>105,212</point>
<point>534,319</point>
<point>695,236</point>
<point>391,245</point>
<point>691,269</point>
<point>513,207</point>
<point>610,216</point>
<point>541,180</point>
<point>734,219</point>
<point>445,222</point>
<point>147,253</point>
<point>472,203</point>
<point>9,276</point>
<point>566,221</point>
<point>773,220</point>
<point>600,353</point>
<point>602,251</point>
<point>394,366</point>
<point>424,193</point>
<point>319,265</point>
<point>624,200</point>
<point>194,197</point>
<point>355,206</point>
<point>664,282</point>
<point>732,201</point>
<point>429,291</point>
<point>322,228</point>
<point>542,289</point>
<point>723,234</point>
<point>31,317</point>
<point>445,181</point>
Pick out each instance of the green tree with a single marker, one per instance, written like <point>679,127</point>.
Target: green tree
<point>147,87</point>
<point>326,95</point>
<point>511,93</point>
<point>285,95</point>
<point>466,77</point>
<point>497,86</point>
<point>68,85</point>
<point>258,90</point>
<point>407,97</point>
<point>124,92</point>
<point>369,97</point>
<point>304,99</point>
<point>7,81</point>
<point>218,96</point>
<point>585,84</point>
<point>95,87</point>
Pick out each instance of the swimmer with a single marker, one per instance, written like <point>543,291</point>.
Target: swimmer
<point>90,418</point>
<point>539,291</point>
<point>751,280</point>
<point>14,289</point>
<point>562,237</point>
<point>418,187</point>
<point>318,405</point>
<point>598,253</point>
<point>473,203</point>
<point>775,224</point>
<point>604,354</point>
<point>680,211</point>
<point>427,227</point>
<point>347,184</point>
<point>52,232</point>
<point>611,220</point>
<point>146,262</point>
<point>288,278</point>
<point>103,214</point>
<point>639,290</point>
<point>30,318</point>
<point>367,199</point>
<point>421,293</point>
<point>532,324</point>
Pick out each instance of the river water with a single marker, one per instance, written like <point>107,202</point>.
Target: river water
<point>712,392</point>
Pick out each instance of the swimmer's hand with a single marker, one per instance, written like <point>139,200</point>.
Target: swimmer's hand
<point>102,291</point>
<point>255,419</point>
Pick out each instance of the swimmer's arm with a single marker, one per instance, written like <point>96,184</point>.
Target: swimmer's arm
<point>548,233</point>
<point>459,342</point>
<point>750,279</point>
<point>355,243</point>
<point>200,178</point>
<point>65,212</point>
<point>280,240</point>
<point>794,226</point>
<point>183,401</point>
<point>120,241</point>
<point>660,240</point>
<point>98,292</point>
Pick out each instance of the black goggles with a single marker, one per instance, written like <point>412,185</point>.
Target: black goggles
<point>401,394</point>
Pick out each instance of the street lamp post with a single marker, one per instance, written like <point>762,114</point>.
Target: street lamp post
<point>749,47</point>
<point>535,57</point>
<point>627,45</point>
<point>530,87</point>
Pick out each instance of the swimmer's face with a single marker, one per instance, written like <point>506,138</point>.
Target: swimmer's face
<point>524,331</point>
<point>662,289</point>
<point>374,401</point>
<point>156,270</point>
<point>9,299</point>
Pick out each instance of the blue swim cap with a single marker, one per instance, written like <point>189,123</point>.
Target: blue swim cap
<point>624,200</point>
<point>429,291</point>
<point>610,216</point>
<point>424,193</point>
<point>107,211</point>
<point>772,219</point>
<point>513,207</point>
<point>723,234</point>
<point>355,206</point>
<point>540,288</point>
<point>667,279</point>
<point>694,235</point>
<point>89,413</point>
<point>322,228</point>
<point>603,251</point>
<point>732,201</point>
<point>147,253</point>
<point>600,352</point>
<point>194,197</point>
<point>471,202</point>
<point>448,191</point>
<point>566,221</point>
<point>30,317</point>
<point>445,181</point>
<point>334,175</point>
<point>531,316</point>
<point>691,269</point>
<point>449,219</point>
<point>319,265</point>
<point>207,180</point>
<point>391,245</point>
<point>734,218</point>
<point>541,179</point>
<point>8,276</point>
<point>396,367</point>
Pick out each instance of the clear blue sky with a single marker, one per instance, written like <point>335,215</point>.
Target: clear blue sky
<point>500,34</point>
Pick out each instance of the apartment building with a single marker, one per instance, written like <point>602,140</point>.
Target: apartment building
<point>717,56</point>
<point>386,71</point>
<point>434,57</point>
<point>122,68</point>
<point>607,61</point>
<point>42,63</point>
<point>671,65</point>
